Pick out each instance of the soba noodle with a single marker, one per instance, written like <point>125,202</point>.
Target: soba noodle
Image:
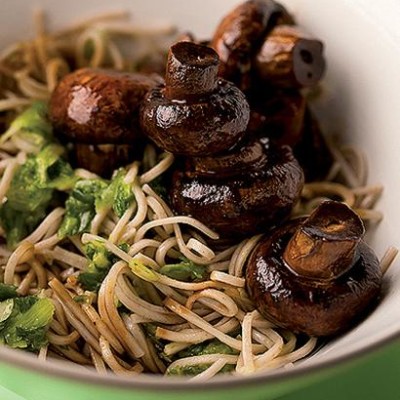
<point>95,332</point>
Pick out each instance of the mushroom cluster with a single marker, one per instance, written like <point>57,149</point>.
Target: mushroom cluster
<point>235,115</point>
<point>234,183</point>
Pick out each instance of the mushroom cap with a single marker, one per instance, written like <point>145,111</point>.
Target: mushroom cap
<point>202,127</point>
<point>311,306</point>
<point>242,197</point>
<point>96,106</point>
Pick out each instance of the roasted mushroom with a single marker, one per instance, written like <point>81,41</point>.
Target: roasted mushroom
<point>240,35</point>
<point>100,107</point>
<point>195,112</point>
<point>315,275</point>
<point>247,190</point>
<point>290,58</point>
<point>278,114</point>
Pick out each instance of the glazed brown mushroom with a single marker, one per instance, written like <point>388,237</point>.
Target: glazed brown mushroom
<point>247,190</point>
<point>278,114</point>
<point>290,58</point>
<point>195,112</point>
<point>240,35</point>
<point>315,275</point>
<point>92,107</point>
<point>97,106</point>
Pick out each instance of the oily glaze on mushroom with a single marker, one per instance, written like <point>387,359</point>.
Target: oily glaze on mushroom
<point>195,112</point>
<point>240,35</point>
<point>247,190</point>
<point>99,106</point>
<point>92,107</point>
<point>290,58</point>
<point>315,275</point>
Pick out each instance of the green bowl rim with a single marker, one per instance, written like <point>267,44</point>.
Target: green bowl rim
<point>156,383</point>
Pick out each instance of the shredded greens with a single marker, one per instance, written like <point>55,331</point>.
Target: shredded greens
<point>90,196</point>
<point>159,344</point>
<point>100,262</point>
<point>31,191</point>
<point>118,195</point>
<point>186,271</point>
<point>24,321</point>
<point>80,207</point>
<point>210,347</point>
<point>32,126</point>
<point>7,291</point>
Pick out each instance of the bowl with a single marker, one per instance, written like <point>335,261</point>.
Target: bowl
<point>360,101</point>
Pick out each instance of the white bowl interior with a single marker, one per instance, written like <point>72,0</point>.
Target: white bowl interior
<point>360,100</point>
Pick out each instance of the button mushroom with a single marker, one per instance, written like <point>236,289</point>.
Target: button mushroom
<point>195,113</point>
<point>290,58</point>
<point>240,35</point>
<point>315,275</point>
<point>247,190</point>
<point>100,107</point>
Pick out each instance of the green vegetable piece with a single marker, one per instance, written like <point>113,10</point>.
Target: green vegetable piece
<point>31,191</point>
<point>82,299</point>
<point>18,224</point>
<point>192,370</point>
<point>27,325</point>
<point>211,347</point>
<point>6,308</point>
<point>80,207</point>
<point>7,291</point>
<point>159,186</point>
<point>27,191</point>
<point>143,272</point>
<point>89,46</point>
<point>23,304</point>
<point>92,280</point>
<point>100,262</point>
<point>186,271</point>
<point>61,176</point>
<point>91,196</point>
<point>32,186</point>
<point>33,126</point>
<point>118,195</point>
<point>159,344</point>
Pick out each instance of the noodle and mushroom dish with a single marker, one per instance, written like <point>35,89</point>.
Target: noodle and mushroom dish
<point>169,205</point>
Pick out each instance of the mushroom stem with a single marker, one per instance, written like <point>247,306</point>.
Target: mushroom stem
<point>324,245</point>
<point>289,58</point>
<point>191,71</point>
